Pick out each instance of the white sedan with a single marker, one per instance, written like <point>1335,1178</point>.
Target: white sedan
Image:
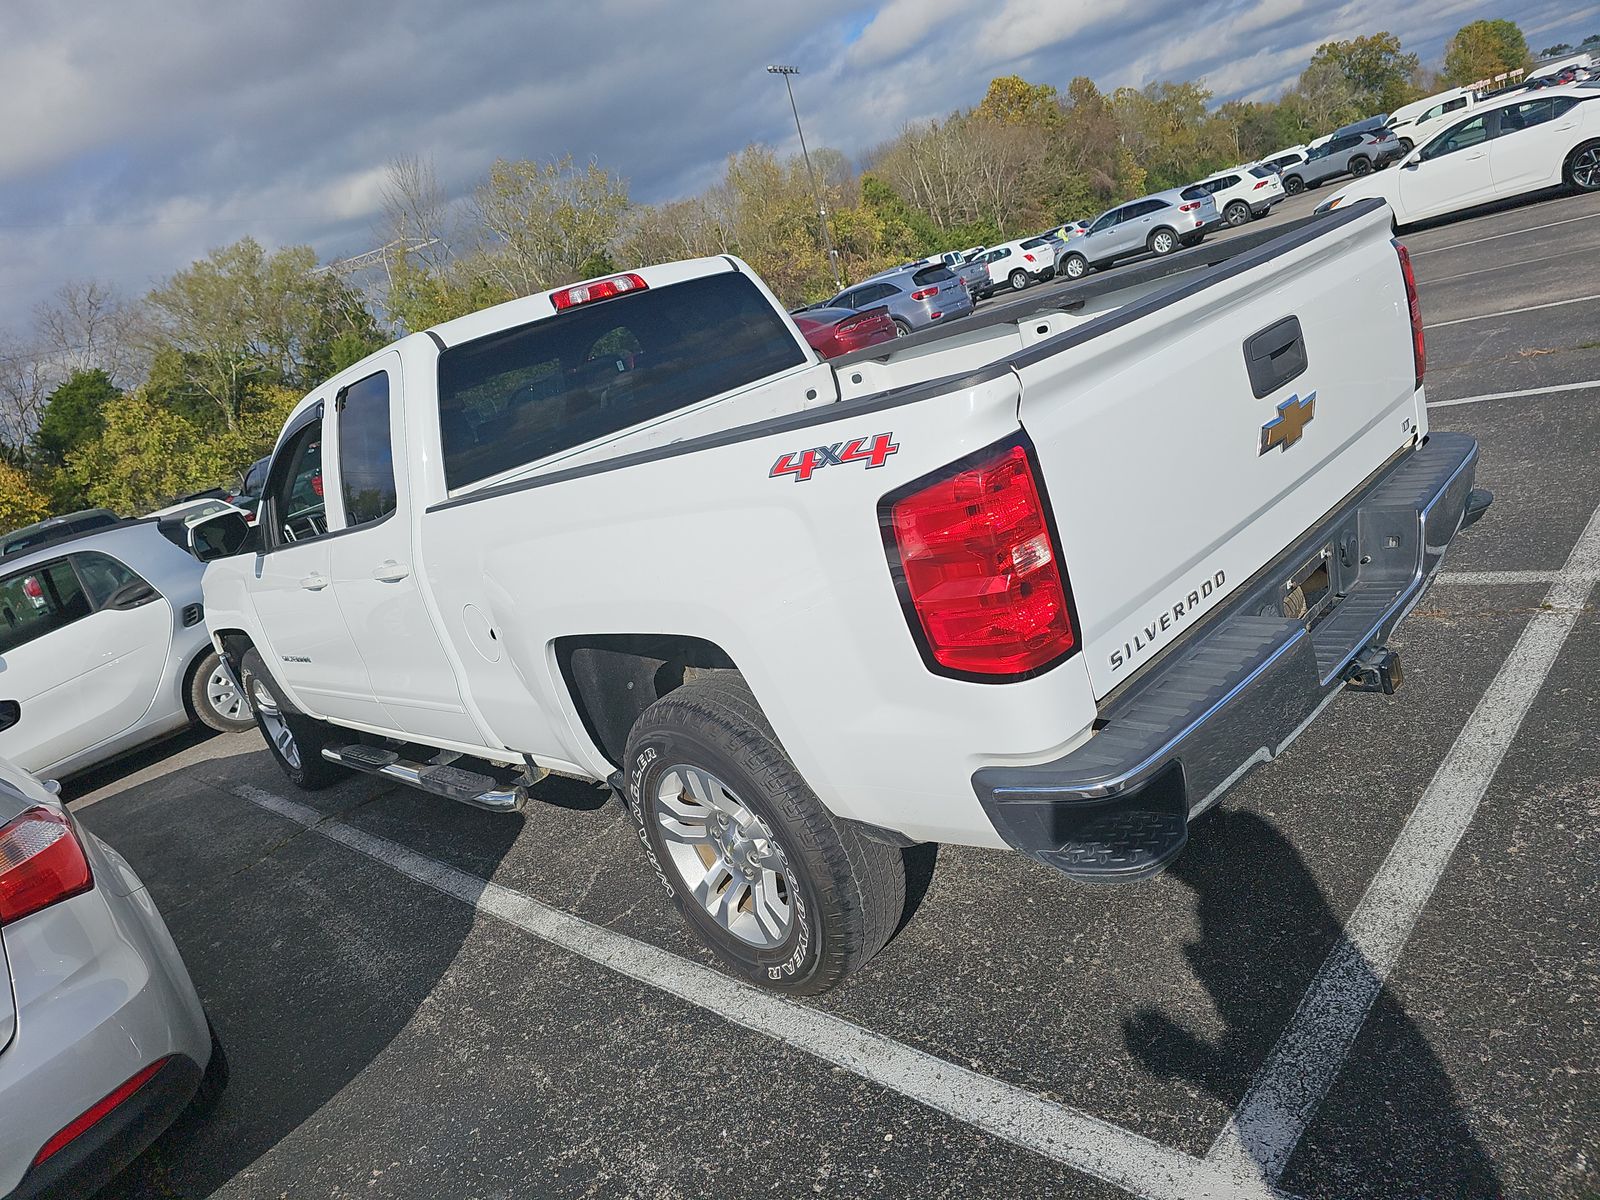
<point>103,646</point>
<point>1523,143</point>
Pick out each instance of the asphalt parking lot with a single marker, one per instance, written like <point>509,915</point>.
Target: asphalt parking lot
<point>1373,973</point>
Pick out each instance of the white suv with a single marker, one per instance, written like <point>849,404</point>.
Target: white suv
<point>1242,193</point>
<point>1016,265</point>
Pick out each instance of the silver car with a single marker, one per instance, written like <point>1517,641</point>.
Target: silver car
<point>1158,224</point>
<point>103,1042</point>
<point>916,296</point>
<point>1346,153</point>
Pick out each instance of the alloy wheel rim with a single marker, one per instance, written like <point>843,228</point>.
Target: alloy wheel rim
<point>226,700</point>
<point>1586,169</point>
<point>1074,267</point>
<point>726,856</point>
<point>1163,243</point>
<point>273,724</point>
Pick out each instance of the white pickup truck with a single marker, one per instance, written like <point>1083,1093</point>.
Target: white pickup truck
<point>1053,578</point>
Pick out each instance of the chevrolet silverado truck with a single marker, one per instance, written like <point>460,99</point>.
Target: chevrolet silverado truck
<point>1052,579</point>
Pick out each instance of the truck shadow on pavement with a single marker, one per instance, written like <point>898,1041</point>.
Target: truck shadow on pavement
<point>1392,1129</point>
<point>311,959</point>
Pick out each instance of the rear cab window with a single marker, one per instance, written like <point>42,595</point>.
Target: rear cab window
<point>521,395</point>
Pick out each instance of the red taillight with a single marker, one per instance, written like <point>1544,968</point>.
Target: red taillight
<point>847,326</point>
<point>978,568</point>
<point>93,1115</point>
<point>32,588</point>
<point>1029,257</point>
<point>925,294</point>
<point>40,863</point>
<point>1260,183</point>
<point>600,289</point>
<point>1419,348</point>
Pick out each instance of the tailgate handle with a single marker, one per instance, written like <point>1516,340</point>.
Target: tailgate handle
<point>1275,356</point>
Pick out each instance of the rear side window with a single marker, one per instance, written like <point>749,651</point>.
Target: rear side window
<point>940,274</point>
<point>366,458</point>
<point>1195,192</point>
<point>38,601</point>
<point>1261,172</point>
<point>102,575</point>
<point>515,397</point>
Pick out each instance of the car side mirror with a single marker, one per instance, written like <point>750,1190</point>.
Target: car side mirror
<point>133,594</point>
<point>220,536</point>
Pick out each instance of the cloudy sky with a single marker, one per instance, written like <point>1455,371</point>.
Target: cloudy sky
<point>137,134</point>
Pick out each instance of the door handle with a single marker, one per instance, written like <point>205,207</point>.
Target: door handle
<point>1478,155</point>
<point>390,571</point>
<point>314,583</point>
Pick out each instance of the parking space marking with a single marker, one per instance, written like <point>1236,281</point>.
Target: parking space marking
<point>1491,577</point>
<point>1067,1135</point>
<point>1503,267</point>
<point>1303,1064</point>
<point>1586,385</point>
<point>1495,237</point>
<point>1511,312</point>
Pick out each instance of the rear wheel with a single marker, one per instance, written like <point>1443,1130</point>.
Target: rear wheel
<point>1583,167</point>
<point>294,739</point>
<point>787,896</point>
<point>901,328</point>
<point>1237,213</point>
<point>1074,266</point>
<point>1162,242</point>
<point>1293,184</point>
<point>1360,166</point>
<point>1018,279</point>
<point>216,700</point>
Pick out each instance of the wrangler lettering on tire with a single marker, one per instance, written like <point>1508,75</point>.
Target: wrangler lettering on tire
<point>785,895</point>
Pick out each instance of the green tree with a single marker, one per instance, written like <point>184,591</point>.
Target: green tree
<point>1378,71</point>
<point>1555,51</point>
<point>542,222</point>
<point>72,415</point>
<point>20,502</point>
<point>1482,50</point>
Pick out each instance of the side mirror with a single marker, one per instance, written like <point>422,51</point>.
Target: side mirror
<point>131,595</point>
<point>219,536</point>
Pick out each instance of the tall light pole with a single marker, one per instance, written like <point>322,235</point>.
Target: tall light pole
<point>822,209</point>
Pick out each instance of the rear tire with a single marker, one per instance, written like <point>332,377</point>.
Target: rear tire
<point>1162,243</point>
<point>1360,166</point>
<point>786,896</point>
<point>1406,146</point>
<point>1018,279</point>
<point>1293,185</point>
<point>1583,168</point>
<point>215,698</point>
<point>1074,266</point>
<point>1237,213</point>
<point>294,739</point>
<point>901,328</point>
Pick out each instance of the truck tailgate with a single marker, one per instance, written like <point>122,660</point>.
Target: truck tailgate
<point>1170,483</point>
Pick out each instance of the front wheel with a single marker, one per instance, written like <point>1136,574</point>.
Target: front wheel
<point>1163,242</point>
<point>1074,266</point>
<point>1406,146</point>
<point>786,896</point>
<point>1293,185</point>
<point>1237,213</point>
<point>1018,279</point>
<point>216,700</point>
<point>295,740</point>
<point>1583,168</point>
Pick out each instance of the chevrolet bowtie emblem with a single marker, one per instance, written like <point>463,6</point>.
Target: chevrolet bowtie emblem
<point>1284,430</point>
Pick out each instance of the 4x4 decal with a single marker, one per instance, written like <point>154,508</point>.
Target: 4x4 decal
<point>873,451</point>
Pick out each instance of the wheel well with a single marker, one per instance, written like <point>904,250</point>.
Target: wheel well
<point>234,643</point>
<point>612,678</point>
<point>1566,166</point>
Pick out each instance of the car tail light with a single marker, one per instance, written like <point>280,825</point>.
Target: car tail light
<point>925,294</point>
<point>1419,348</point>
<point>848,325</point>
<point>973,557</point>
<point>41,863</point>
<point>1029,257</point>
<point>1189,207</point>
<point>600,289</point>
<point>93,1115</point>
<point>1260,183</point>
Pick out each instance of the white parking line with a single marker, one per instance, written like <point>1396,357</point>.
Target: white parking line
<point>1493,577</point>
<point>1066,1135</point>
<point>1509,312</point>
<point>1302,1066</point>
<point>1538,391</point>
<point>1495,237</point>
<point>1501,269</point>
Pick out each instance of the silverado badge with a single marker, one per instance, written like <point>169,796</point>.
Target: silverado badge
<point>1284,430</point>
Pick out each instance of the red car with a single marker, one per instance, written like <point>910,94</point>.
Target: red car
<point>836,331</point>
